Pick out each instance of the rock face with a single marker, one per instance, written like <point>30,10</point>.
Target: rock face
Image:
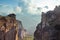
<point>9,27</point>
<point>20,27</point>
<point>49,28</point>
<point>21,31</point>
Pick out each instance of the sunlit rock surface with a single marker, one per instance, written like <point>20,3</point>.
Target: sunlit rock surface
<point>49,28</point>
<point>10,27</point>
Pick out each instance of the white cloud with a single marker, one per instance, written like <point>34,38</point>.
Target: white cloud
<point>18,9</point>
<point>32,9</point>
<point>34,4</point>
<point>9,9</point>
<point>6,9</point>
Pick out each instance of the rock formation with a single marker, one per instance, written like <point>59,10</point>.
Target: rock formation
<point>9,27</point>
<point>49,28</point>
<point>20,27</point>
<point>21,31</point>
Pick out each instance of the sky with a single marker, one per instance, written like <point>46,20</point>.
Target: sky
<point>27,11</point>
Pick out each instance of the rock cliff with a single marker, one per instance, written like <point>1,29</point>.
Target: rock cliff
<point>9,27</point>
<point>49,28</point>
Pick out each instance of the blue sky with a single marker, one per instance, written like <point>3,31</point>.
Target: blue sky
<point>27,11</point>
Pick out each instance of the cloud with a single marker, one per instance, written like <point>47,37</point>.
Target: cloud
<point>7,9</point>
<point>38,6</point>
<point>3,5</point>
<point>18,9</point>
<point>46,7</point>
<point>32,9</point>
<point>35,7</point>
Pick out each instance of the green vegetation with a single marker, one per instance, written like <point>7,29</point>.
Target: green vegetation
<point>30,37</point>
